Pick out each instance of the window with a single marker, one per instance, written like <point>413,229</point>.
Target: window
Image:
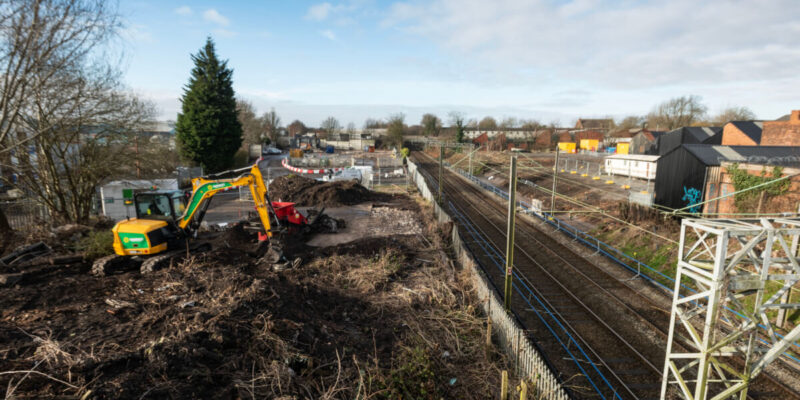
<point>152,205</point>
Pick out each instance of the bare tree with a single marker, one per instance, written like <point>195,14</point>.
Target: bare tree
<point>253,130</point>
<point>733,114</point>
<point>330,126</point>
<point>487,124</point>
<point>509,123</point>
<point>431,125</point>
<point>82,134</point>
<point>458,121</point>
<point>351,129</point>
<point>296,128</point>
<point>396,129</point>
<point>272,125</point>
<point>677,112</point>
<point>531,125</point>
<point>39,40</point>
<point>631,122</point>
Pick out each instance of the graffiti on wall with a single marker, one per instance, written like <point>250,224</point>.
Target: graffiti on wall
<point>692,197</point>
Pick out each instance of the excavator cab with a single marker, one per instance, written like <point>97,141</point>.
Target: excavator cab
<point>166,205</point>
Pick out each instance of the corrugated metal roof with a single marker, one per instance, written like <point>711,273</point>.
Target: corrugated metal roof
<point>769,155</point>
<point>634,157</point>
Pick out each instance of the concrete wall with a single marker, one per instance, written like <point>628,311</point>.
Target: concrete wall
<point>782,133</point>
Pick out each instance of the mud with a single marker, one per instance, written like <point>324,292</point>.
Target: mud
<point>371,318</point>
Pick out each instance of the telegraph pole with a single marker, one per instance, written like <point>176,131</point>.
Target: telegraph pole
<point>555,177</point>
<point>512,209</point>
<point>471,150</point>
<point>441,170</point>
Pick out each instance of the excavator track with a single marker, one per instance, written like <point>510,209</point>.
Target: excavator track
<point>160,261</point>
<point>113,264</point>
<point>163,260</point>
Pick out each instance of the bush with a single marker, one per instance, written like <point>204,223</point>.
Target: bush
<point>96,244</point>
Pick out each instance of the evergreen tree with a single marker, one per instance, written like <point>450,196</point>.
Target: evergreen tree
<point>208,130</point>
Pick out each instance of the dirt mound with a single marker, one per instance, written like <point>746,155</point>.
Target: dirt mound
<point>307,192</point>
<point>381,318</point>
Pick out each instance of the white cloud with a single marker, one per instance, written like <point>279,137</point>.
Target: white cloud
<point>214,16</point>
<point>319,12</point>
<point>183,10</point>
<point>327,33</point>
<point>614,44</point>
<point>137,33</point>
<point>224,32</point>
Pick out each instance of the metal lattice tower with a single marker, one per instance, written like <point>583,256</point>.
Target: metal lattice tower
<point>727,292</point>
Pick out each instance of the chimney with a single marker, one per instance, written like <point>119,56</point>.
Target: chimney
<point>795,117</point>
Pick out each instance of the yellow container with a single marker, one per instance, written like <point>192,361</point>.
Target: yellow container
<point>623,148</point>
<point>566,147</point>
<point>589,144</point>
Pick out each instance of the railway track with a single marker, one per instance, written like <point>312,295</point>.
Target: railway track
<point>605,339</point>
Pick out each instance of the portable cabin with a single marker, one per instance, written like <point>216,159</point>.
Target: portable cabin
<point>623,148</point>
<point>566,147</point>
<point>589,144</point>
<point>634,165</point>
<point>682,173</point>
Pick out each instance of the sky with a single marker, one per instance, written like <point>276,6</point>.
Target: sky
<point>551,60</point>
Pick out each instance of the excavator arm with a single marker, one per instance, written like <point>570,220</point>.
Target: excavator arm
<point>206,187</point>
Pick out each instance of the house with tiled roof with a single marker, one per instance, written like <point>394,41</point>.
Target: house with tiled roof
<point>603,125</point>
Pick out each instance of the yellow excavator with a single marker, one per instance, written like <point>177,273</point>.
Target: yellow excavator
<point>167,222</point>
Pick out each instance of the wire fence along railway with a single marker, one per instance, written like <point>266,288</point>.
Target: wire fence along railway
<point>641,269</point>
<point>602,281</point>
<point>597,360</point>
<point>513,338</point>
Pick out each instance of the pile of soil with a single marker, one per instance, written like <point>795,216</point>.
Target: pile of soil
<point>307,192</point>
<point>380,318</point>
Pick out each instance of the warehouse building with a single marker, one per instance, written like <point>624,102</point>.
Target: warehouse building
<point>688,135</point>
<point>682,173</point>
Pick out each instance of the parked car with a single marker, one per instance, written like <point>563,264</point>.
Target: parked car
<point>344,175</point>
<point>265,151</point>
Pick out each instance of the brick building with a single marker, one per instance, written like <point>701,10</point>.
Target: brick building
<point>782,133</point>
<point>742,133</point>
<point>590,134</point>
<point>719,183</point>
<point>604,125</point>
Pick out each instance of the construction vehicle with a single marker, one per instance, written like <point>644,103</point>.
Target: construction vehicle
<point>167,222</point>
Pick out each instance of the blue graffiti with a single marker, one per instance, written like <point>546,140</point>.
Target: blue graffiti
<point>692,196</point>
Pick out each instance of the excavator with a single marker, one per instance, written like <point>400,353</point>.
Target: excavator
<point>167,222</point>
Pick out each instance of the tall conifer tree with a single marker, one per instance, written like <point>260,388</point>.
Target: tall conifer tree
<point>207,129</point>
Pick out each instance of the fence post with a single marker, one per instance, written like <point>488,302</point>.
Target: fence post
<point>512,211</point>
<point>504,385</point>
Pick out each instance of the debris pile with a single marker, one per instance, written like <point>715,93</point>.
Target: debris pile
<point>307,192</point>
<point>382,318</point>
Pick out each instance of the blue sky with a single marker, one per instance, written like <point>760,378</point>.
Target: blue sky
<point>547,60</point>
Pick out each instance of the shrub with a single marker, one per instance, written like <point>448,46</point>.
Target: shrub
<point>96,244</point>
